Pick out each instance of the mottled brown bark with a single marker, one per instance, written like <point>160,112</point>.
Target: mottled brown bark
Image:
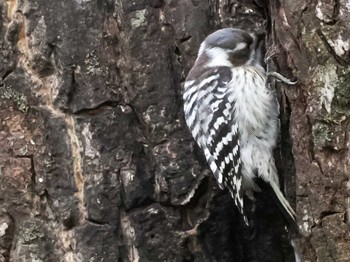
<point>314,38</point>
<point>96,163</point>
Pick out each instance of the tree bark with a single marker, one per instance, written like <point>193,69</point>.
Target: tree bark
<point>96,163</point>
<point>314,38</point>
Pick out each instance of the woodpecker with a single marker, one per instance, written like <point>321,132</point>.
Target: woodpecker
<point>233,115</point>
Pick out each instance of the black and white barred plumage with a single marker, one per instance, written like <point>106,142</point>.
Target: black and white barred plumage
<point>233,115</point>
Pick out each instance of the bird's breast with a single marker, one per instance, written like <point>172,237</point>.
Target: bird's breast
<point>256,110</point>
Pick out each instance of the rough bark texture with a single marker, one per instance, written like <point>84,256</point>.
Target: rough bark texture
<point>96,163</point>
<point>315,39</point>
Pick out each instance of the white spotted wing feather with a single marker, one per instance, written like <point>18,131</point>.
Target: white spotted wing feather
<point>210,114</point>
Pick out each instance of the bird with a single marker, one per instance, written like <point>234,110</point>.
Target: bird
<point>233,115</point>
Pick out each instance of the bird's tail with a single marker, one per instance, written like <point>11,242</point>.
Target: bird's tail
<point>288,213</point>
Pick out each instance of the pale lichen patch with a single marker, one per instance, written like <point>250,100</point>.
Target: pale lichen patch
<point>89,150</point>
<point>139,19</point>
<point>327,78</point>
<point>340,46</point>
<point>129,236</point>
<point>93,66</point>
<point>19,99</point>
<point>324,11</point>
<point>319,13</point>
<point>3,228</point>
<point>127,176</point>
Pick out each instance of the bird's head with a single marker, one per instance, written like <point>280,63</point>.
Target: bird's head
<point>231,47</point>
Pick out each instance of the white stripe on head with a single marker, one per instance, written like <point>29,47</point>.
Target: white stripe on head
<point>201,49</point>
<point>217,57</point>
<point>239,46</point>
<point>252,50</point>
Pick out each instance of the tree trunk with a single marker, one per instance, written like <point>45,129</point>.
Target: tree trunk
<point>314,40</point>
<point>96,163</point>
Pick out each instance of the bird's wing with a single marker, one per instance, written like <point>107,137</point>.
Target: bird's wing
<point>217,133</point>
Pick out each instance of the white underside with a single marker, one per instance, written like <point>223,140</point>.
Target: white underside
<point>257,118</point>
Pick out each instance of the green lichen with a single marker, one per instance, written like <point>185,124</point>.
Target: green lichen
<point>322,135</point>
<point>17,97</point>
<point>93,66</point>
<point>30,231</point>
<point>341,101</point>
<point>139,19</point>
